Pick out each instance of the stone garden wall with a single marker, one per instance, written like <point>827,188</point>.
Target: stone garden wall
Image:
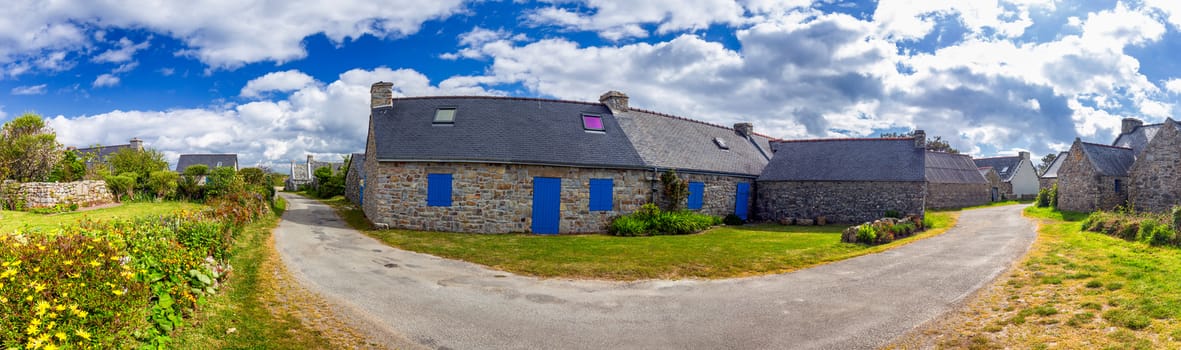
<point>838,202</point>
<point>955,195</point>
<point>50,194</point>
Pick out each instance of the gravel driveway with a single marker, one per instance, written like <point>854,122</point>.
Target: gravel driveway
<point>415,300</point>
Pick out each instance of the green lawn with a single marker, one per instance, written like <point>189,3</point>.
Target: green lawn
<point>1079,290</point>
<point>721,252</point>
<point>12,220</point>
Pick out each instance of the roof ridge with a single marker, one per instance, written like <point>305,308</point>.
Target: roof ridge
<point>1102,145</point>
<point>666,115</point>
<point>845,139</point>
<point>488,97</point>
<point>997,157</point>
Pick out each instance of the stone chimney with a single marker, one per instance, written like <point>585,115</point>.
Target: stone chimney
<point>1130,124</point>
<point>381,94</point>
<point>310,159</point>
<point>1024,155</point>
<point>744,129</point>
<point>615,100</point>
<point>920,139</point>
<point>71,148</point>
<point>137,144</point>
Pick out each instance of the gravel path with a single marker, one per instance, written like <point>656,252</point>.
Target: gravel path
<point>410,300</point>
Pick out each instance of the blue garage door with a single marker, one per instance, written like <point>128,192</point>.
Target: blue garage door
<point>742,200</point>
<point>546,204</point>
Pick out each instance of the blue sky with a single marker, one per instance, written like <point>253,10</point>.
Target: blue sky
<point>273,81</point>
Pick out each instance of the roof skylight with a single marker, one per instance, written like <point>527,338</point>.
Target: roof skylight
<point>445,115</point>
<point>592,123</point>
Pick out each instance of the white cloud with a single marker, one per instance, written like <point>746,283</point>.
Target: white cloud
<point>1173,85</point>
<point>29,90</point>
<point>125,52</point>
<point>220,33</point>
<point>105,80</point>
<point>284,81</point>
<point>910,19</point>
<point>616,19</point>
<point>322,119</point>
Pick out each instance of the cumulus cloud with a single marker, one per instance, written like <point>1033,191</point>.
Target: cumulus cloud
<point>614,19</point>
<point>1173,85</point>
<point>284,81</point>
<point>105,80</point>
<point>220,33</point>
<point>326,120</point>
<point>30,90</point>
<point>125,52</point>
<point>907,19</point>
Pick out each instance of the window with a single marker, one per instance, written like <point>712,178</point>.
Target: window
<point>1118,186</point>
<point>445,115</point>
<point>696,194</point>
<point>592,123</point>
<point>721,143</point>
<point>600,194</point>
<point>438,190</point>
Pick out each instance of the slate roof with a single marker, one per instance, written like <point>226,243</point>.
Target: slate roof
<point>1109,160</point>
<point>500,130</point>
<point>356,163</point>
<point>952,168</point>
<point>101,152</point>
<point>667,141</point>
<point>1139,137</point>
<point>209,160</point>
<point>1005,167</point>
<point>1052,171</point>
<point>869,159</point>
<point>984,171</point>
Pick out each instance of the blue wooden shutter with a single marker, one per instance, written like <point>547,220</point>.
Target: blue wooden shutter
<point>438,190</point>
<point>696,194</point>
<point>742,200</point>
<point>600,194</point>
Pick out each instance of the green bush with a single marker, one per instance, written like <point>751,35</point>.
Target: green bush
<point>121,185</point>
<point>1043,198</point>
<point>867,234</point>
<point>1054,196</point>
<point>253,176</point>
<point>650,220</point>
<point>223,180</point>
<point>163,183</point>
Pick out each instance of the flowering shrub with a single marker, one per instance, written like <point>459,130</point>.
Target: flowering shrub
<point>114,284</point>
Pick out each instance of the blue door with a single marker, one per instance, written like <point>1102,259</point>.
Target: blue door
<point>546,202</point>
<point>742,200</point>
<point>361,191</point>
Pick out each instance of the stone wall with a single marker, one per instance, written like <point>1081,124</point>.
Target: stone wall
<point>1046,183</point>
<point>1155,179</point>
<point>50,194</point>
<point>956,195</point>
<point>1081,188</point>
<point>838,202</point>
<point>352,184</point>
<point>718,197</point>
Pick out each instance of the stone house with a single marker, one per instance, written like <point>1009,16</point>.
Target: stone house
<point>304,173</point>
<point>1155,177</point>
<point>954,181</point>
<point>354,180</point>
<point>994,182</point>
<point>210,161</point>
<point>1050,177</point>
<point>1019,176</point>
<point>844,180</point>
<point>1094,177</point>
<point>500,164</point>
<point>98,154</point>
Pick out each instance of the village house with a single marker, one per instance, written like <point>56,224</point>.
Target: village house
<point>303,174</point>
<point>1019,176</point>
<point>210,161</point>
<point>994,182</point>
<point>501,164</point>
<point>1049,178</point>
<point>1138,170</point>
<point>844,180</point>
<point>1154,179</point>
<point>954,181</point>
<point>1094,177</point>
<point>98,154</point>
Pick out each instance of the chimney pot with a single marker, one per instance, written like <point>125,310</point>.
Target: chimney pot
<point>744,129</point>
<point>920,139</point>
<point>1130,124</point>
<point>381,94</point>
<point>136,144</point>
<point>615,100</point>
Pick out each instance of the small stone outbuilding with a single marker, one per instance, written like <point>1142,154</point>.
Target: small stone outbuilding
<point>844,180</point>
<point>1049,178</point>
<point>994,182</point>
<point>954,181</point>
<point>1094,177</point>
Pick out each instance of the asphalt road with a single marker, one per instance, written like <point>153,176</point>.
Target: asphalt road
<point>416,300</point>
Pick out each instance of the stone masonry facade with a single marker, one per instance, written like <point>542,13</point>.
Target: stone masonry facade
<point>352,185</point>
<point>1155,178</point>
<point>49,194</point>
<point>838,202</point>
<point>956,195</point>
<point>1046,183</point>
<point>1081,188</point>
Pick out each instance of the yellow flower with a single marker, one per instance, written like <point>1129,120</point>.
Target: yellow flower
<point>117,292</point>
<point>60,335</point>
<point>50,347</point>
<point>60,308</point>
<point>94,263</point>
<point>68,262</point>
<point>83,334</point>
<point>41,307</point>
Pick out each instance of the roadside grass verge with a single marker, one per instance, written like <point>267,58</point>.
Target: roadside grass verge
<point>257,309</point>
<point>721,252</point>
<point>1073,290</point>
<point>13,220</point>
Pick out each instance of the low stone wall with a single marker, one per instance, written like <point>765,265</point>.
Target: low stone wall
<point>50,194</point>
<point>838,202</point>
<point>953,195</point>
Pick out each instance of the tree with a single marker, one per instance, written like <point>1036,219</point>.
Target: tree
<point>120,185</point>
<point>162,183</point>
<point>252,176</point>
<point>70,168</point>
<point>197,170</point>
<point>28,149</point>
<point>223,180</point>
<point>327,183</point>
<point>141,163</point>
<point>1046,161</point>
<point>936,144</point>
